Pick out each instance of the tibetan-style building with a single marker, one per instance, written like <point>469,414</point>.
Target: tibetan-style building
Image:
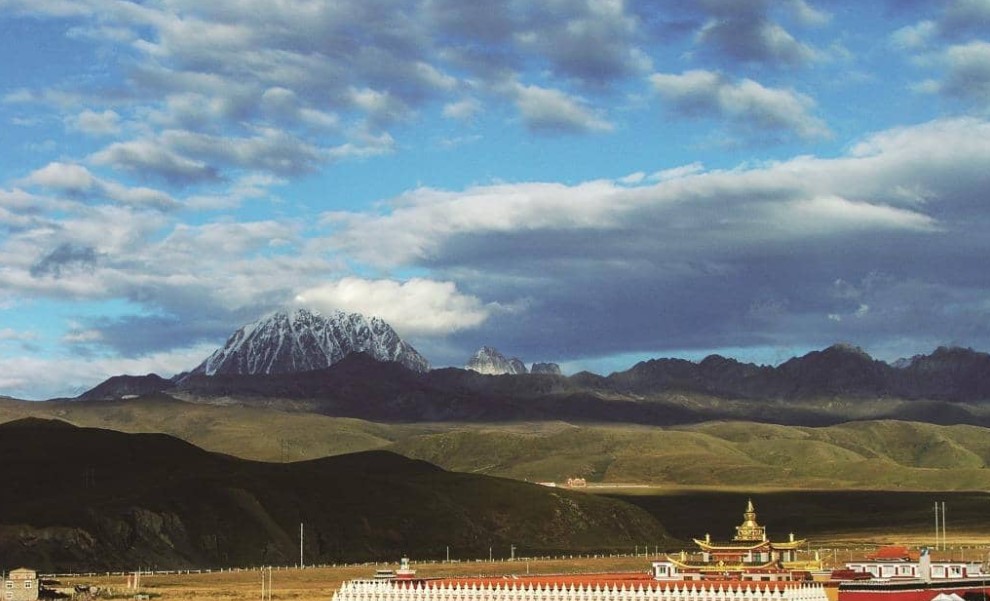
<point>749,568</point>
<point>749,555</point>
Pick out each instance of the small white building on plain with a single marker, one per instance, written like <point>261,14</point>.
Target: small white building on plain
<point>21,585</point>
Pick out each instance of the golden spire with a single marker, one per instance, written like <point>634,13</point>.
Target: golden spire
<point>749,529</point>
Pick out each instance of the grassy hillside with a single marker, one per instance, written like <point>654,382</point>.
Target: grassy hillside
<point>90,499</point>
<point>247,432</point>
<point>868,455</point>
<point>890,455</point>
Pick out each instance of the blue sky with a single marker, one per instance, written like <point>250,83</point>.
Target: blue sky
<point>579,181</point>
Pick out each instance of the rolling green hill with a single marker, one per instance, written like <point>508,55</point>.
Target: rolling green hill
<point>247,432</point>
<point>892,455</point>
<point>886,455</point>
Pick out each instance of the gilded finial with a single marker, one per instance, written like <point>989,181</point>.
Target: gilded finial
<point>750,529</point>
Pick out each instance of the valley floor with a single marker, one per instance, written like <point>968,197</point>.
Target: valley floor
<point>319,583</point>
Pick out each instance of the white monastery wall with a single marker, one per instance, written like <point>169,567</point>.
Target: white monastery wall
<point>362,590</point>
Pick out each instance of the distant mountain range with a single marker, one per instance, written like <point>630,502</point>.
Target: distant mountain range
<point>83,499</point>
<point>843,371</point>
<point>837,384</point>
<point>352,366</point>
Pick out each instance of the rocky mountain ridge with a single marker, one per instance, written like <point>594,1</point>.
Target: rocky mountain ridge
<point>303,340</point>
<point>489,361</point>
<point>950,374</point>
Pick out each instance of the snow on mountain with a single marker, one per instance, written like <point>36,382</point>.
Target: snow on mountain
<point>303,340</point>
<point>493,363</point>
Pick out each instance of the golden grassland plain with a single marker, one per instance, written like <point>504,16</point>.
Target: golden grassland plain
<point>319,583</point>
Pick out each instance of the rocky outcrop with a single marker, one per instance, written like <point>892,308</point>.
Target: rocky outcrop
<point>545,368</point>
<point>490,362</point>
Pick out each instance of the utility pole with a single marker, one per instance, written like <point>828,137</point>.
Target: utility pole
<point>300,545</point>
<point>936,524</point>
<point>266,583</point>
<point>943,526</point>
<point>512,552</point>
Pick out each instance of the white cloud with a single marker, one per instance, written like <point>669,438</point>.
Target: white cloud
<point>77,180</point>
<point>914,37</point>
<point>12,335</point>
<point>151,156</point>
<point>678,172</point>
<point>885,184</point>
<point>95,124</point>
<point>82,336</point>
<point>424,218</point>
<point>968,76</point>
<point>57,8</point>
<point>33,378</point>
<point>364,145</point>
<point>552,111</point>
<point>414,307</point>
<point>807,14</point>
<point>590,42</point>
<point>743,32</point>
<point>462,110</point>
<point>381,106</point>
<point>69,177</point>
<point>270,150</point>
<point>746,104</point>
<point>252,186</point>
<point>963,17</point>
<point>832,212</point>
<point>632,178</point>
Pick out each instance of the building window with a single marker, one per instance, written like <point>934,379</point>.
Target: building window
<point>10,584</point>
<point>10,595</point>
<point>28,583</point>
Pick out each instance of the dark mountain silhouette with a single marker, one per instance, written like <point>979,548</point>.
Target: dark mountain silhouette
<point>949,374</point>
<point>80,499</point>
<point>119,387</point>
<point>951,382</point>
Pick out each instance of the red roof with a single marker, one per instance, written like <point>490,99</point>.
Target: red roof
<point>894,552</point>
<point>850,575</point>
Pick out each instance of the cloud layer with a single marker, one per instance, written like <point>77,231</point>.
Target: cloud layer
<point>739,257</point>
<point>569,180</point>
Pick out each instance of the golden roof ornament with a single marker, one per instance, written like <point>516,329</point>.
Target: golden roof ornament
<point>749,529</point>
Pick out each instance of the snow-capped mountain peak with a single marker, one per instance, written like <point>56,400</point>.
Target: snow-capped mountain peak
<point>303,340</point>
